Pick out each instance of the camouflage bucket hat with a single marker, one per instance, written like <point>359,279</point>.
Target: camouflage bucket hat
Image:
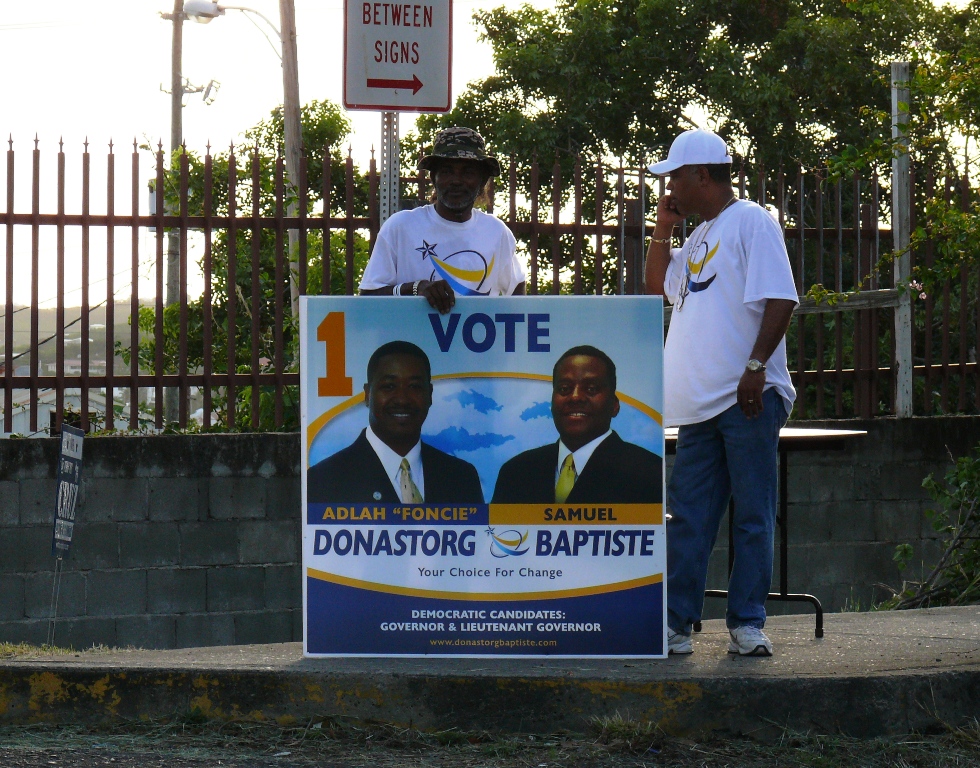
<point>460,144</point>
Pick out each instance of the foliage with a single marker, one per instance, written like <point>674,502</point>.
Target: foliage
<point>947,92</point>
<point>784,81</point>
<point>955,238</point>
<point>255,179</point>
<point>955,580</point>
<point>944,118</point>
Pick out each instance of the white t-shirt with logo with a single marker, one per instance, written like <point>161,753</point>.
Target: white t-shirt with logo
<point>727,269</point>
<point>476,257</point>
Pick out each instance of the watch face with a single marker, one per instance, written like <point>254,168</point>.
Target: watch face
<point>755,365</point>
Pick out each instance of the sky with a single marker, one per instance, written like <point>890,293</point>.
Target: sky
<point>77,70</point>
<point>74,71</point>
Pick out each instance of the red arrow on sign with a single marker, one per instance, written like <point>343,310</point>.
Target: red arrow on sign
<point>415,84</point>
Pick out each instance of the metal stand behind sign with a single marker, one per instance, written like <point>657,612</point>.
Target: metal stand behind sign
<point>390,166</point>
<point>55,593</point>
<point>69,481</point>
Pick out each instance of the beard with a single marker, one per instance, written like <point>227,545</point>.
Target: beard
<point>456,202</point>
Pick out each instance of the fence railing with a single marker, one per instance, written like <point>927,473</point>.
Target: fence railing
<point>228,345</point>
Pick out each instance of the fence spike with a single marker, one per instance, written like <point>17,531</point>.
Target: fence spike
<point>36,140</point>
<point>207,147</point>
<point>61,144</point>
<point>160,145</point>
<point>85,144</point>
<point>10,142</point>
<point>135,145</point>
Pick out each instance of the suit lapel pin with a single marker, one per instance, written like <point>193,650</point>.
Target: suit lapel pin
<point>377,495</point>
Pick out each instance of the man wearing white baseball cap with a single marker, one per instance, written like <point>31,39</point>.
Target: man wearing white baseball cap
<point>726,383</point>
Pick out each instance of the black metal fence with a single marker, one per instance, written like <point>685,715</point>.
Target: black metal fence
<point>229,351</point>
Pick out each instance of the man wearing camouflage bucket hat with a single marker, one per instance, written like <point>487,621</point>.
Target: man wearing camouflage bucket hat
<point>447,248</point>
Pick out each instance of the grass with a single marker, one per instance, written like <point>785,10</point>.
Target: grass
<point>22,650</point>
<point>26,650</point>
<point>627,734</point>
<point>612,742</point>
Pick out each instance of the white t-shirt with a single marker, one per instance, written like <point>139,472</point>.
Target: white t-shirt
<point>733,263</point>
<point>476,257</point>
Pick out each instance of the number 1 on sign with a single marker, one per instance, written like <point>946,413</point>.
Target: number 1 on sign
<point>332,333</point>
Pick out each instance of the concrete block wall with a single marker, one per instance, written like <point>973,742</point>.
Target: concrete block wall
<point>194,540</point>
<point>181,541</point>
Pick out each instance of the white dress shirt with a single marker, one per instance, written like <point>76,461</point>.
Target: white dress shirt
<point>392,462</point>
<point>580,457</point>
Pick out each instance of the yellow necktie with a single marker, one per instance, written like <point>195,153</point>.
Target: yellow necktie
<point>410,491</point>
<point>566,479</point>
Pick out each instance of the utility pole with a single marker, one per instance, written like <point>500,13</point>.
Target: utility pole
<point>170,395</point>
<point>293,138</point>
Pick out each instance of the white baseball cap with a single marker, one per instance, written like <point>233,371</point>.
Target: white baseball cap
<point>695,147</point>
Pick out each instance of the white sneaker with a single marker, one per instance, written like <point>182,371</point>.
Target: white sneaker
<point>749,641</point>
<point>678,643</point>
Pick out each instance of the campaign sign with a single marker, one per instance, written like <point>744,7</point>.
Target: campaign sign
<point>488,482</point>
<point>69,480</point>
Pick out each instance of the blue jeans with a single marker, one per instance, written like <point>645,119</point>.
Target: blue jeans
<point>726,456</point>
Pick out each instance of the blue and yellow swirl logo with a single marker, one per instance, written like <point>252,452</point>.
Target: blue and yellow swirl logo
<point>466,271</point>
<point>511,543</point>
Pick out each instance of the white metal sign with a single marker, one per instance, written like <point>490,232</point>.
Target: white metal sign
<point>398,56</point>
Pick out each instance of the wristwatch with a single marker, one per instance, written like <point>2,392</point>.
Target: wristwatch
<point>755,366</point>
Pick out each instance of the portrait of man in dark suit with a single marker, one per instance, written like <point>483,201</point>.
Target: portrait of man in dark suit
<point>590,463</point>
<point>388,462</point>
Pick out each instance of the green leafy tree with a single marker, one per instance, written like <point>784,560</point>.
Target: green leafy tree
<point>943,123</point>
<point>945,94</point>
<point>323,126</point>
<point>942,129</point>
<point>783,80</point>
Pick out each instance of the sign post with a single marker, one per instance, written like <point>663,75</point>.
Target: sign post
<point>69,481</point>
<point>390,166</point>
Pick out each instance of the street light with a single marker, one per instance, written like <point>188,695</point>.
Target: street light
<point>203,11</point>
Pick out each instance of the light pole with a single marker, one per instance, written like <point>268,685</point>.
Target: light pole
<point>170,395</point>
<point>205,10</point>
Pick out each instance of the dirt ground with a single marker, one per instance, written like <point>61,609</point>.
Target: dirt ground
<point>612,743</point>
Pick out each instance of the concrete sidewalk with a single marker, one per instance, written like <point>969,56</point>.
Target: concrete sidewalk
<point>872,674</point>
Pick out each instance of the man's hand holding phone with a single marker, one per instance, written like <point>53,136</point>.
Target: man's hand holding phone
<point>667,215</point>
<point>658,254</point>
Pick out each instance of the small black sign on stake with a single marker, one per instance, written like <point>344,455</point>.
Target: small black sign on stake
<point>69,481</point>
